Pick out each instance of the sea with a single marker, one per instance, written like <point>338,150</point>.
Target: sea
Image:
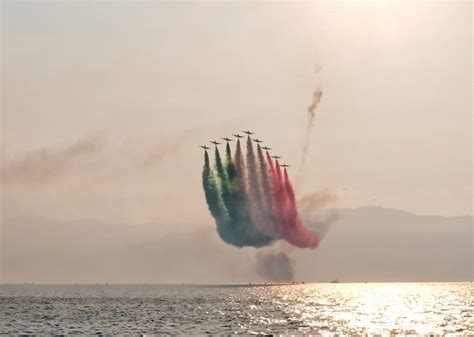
<point>322,309</point>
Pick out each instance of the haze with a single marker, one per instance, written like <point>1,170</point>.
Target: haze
<point>104,104</point>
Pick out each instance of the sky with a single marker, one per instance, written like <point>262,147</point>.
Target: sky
<point>104,103</point>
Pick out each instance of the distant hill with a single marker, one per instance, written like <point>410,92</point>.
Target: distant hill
<point>364,244</point>
<point>379,244</point>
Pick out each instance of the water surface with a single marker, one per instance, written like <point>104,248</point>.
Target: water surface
<point>327,309</point>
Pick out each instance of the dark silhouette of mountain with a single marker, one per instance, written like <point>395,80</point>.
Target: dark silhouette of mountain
<point>364,244</point>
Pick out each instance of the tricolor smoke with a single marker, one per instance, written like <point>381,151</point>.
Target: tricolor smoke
<point>252,200</point>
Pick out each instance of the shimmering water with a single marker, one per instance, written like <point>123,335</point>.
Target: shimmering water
<point>327,309</point>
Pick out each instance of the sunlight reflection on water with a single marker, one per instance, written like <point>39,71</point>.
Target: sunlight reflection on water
<point>327,309</point>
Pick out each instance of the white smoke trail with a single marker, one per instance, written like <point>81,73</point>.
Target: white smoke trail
<point>255,193</point>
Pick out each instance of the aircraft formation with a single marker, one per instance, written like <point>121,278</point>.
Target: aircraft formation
<point>250,196</point>
<point>238,136</point>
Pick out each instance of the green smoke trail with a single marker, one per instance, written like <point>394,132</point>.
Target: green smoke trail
<point>225,191</point>
<point>233,196</point>
<point>240,173</point>
<point>224,182</point>
<point>230,198</point>
<point>215,202</point>
<point>230,168</point>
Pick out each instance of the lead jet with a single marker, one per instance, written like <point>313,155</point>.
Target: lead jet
<point>248,132</point>
<point>285,166</point>
<point>276,157</point>
<point>215,142</point>
<point>266,148</point>
<point>238,136</point>
<point>256,140</point>
<point>227,139</point>
<point>204,147</point>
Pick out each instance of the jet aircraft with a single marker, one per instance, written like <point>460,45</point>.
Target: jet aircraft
<point>227,139</point>
<point>204,147</point>
<point>248,132</point>
<point>266,148</point>
<point>214,142</point>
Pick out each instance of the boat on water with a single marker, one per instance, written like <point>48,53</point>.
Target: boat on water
<point>334,281</point>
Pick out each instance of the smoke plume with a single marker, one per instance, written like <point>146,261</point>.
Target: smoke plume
<point>275,266</point>
<point>43,166</point>
<point>311,115</point>
<point>310,207</point>
<point>316,200</point>
<point>253,201</point>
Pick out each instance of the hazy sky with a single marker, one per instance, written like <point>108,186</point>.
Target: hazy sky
<point>104,103</point>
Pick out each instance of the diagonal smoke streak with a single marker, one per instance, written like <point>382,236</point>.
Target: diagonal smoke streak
<point>311,113</point>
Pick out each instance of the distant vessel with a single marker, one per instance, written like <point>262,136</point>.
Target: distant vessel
<point>334,281</point>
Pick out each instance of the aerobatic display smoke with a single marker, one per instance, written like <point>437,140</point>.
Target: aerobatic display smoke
<point>252,200</point>
<point>311,114</point>
<point>275,266</point>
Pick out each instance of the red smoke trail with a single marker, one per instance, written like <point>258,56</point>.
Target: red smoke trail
<point>294,231</point>
<point>289,224</point>
<point>282,195</point>
<point>276,192</point>
<point>279,196</point>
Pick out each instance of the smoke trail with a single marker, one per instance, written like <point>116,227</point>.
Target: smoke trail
<point>316,200</point>
<point>271,167</point>
<point>310,207</point>
<point>240,169</point>
<point>215,202</point>
<point>232,201</point>
<point>289,223</point>
<point>267,194</point>
<point>241,208</point>
<point>281,194</point>
<point>314,104</point>
<point>230,168</point>
<point>221,173</point>
<point>311,116</point>
<point>232,178</point>
<point>275,266</point>
<point>295,232</point>
<point>279,218</point>
<point>253,200</point>
<point>254,190</point>
<point>244,176</point>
